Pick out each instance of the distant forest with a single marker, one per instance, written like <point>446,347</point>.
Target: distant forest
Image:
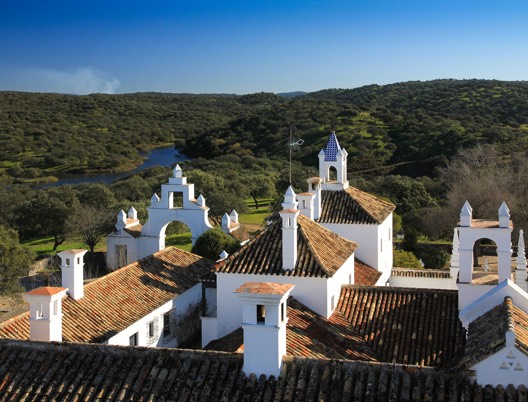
<point>426,146</point>
<point>409,128</point>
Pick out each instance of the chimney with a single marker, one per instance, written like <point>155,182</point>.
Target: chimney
<point>306,204</point>
<point>314,187</point>
<point>72,272</point>
<point>264,325</point>
<point>234,216</point>
<point>45,313</point>
<point>289,216</point>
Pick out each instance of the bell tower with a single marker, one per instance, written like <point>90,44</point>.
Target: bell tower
<point>333,161</point>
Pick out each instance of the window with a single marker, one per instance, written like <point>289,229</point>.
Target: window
<point>332,303</point>
<point>133,340</point>
<point>169,326</point>
<point>56,307</point>
<point>261,313</point>
<point>39,313</point>
<point>152,331</point>
<point>350,279</point>
<point>67,262</point>
<point>304,204</point>
<point>282,312</point>
<point>78,260</point>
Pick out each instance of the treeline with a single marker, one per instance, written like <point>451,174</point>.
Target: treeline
<point>407,128</point>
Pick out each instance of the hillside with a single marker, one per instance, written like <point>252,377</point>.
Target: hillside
<point>409,128</point>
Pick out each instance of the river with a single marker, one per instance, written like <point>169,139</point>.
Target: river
<point>165,156</point>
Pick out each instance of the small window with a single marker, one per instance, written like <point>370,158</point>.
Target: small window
<point>121,254</point>
<point>282,312</point>
<point>350,279</point>
<point>289,222</point>
<point>381,245</point>
<point>78,260</point>
<point>39,312</point>
<point>133,340</point>
<point>261,313</point>
<point>166,324</point>
<point>56,307</point>
<point>332,303</point>
<point>304,203</point>
<point>67,262</point>
<point>152,331</point>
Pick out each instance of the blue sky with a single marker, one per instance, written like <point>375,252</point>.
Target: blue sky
<point>247,46</point>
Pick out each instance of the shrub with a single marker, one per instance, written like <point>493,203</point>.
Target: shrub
<point>406,259</point>
<point>211,243</point>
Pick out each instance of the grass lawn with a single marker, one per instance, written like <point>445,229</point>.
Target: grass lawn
<point>180,240</point>
<point>45,245</point>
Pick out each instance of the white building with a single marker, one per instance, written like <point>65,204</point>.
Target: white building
<point>351,213</point>
<point>141,304</point>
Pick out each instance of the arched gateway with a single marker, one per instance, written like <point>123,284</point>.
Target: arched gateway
<point>131,241</point>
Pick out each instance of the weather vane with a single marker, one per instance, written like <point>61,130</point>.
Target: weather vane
<point>294,144</point>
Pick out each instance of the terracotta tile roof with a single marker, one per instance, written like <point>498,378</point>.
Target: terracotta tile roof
<point>308,334</point>
<point>353,206</point>
<point>407,326</point>
<point>320,252</point>
<point>241,234</point>
<point>134,231</point>
<point>115,301</point>
<point>60,372</point>
<point>46,291</point>
<point>421,273</point>
<point>485,223</point>
<point>487,334</point>
<point>264,288</point>
<point>364,274</point>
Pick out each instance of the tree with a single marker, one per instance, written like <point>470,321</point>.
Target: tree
<point>213,242</point>
<point>46,214</point>
<point>261,186</point>
<point>91,223</point>
<point>15,261</point>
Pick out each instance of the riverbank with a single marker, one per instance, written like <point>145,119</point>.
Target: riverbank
<point>163,156</point>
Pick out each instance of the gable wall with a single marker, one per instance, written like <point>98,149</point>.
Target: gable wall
<point>369,238</point>
<point>507,366</point>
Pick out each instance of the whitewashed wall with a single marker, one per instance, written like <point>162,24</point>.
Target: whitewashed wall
<point>507,366</point>
<point>179,303</point>
<point>312,292</point>
<point>423,283</point>
<point>375,243</point>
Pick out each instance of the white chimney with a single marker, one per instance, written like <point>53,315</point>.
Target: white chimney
<point>234,216</point>
<point>264,324</point>
<point>306,204</point>
<point>45,313</point>
<point>289,216</point>
<point>72,272</point>
<point>314,187</point>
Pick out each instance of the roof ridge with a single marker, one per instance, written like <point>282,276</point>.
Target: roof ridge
<point>397,289</point>
<point>315,255</point>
